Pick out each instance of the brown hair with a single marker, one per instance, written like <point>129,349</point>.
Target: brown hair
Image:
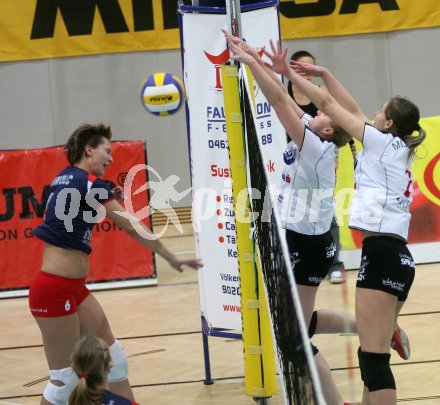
<point>353,149</point>
<point>340,136</point>
<point>405,116</point>
<point>90,361</point>
<point>295,56</point>
<point>86,134</point>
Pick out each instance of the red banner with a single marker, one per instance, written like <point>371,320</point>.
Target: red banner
<point>24,184</point>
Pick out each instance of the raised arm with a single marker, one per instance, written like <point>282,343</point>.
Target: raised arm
<point>245,47</point>
<point>140,232</point>
<point>288,113</point>
<point>321,98</point>
<point>333,85</point>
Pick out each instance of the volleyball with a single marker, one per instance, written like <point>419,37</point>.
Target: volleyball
<point>162,93</point>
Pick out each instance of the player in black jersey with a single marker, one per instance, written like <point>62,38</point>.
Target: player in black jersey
<point>336,272</point>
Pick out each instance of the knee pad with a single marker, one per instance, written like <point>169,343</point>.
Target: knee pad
<point>377,371</point>
<point>312,325</point>
<point>361,365</point>
<point>298,359</point>
<point>60,395</point>
<point>315,350</point>
<point>119,370</point>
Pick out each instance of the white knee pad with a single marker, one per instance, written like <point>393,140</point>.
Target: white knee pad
<point>119,370</point>
<point>60,395</point>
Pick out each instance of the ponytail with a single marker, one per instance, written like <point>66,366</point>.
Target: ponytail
<point>413,141</point>
<point>353,151</point>
<point>84,394</point>
<point>90,361</point>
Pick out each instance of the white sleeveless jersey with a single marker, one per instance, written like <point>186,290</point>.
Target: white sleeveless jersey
<point>384,185</point>
<point>307,184</point>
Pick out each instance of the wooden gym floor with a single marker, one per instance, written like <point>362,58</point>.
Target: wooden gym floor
<point>160,330</point>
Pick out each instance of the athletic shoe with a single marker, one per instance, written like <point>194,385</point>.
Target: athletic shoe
<point>337,277</point>
<point>400,343</point>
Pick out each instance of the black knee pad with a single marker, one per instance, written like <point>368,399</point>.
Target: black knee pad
<point>312,325</point>
<point>315,350</point>
<point>361,365</point>
<point>296,348</point>
<point>376,371</point>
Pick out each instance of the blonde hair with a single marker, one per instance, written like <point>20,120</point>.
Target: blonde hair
<point>90,361</point>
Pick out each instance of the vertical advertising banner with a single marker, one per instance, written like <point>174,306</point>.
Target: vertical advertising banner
<point>24,183</point>
<point>204,51</point>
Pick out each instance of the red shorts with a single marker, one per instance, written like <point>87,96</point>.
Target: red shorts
<point>51,296</point>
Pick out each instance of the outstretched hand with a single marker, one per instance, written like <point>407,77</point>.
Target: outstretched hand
<point>177,263</point>
<point>241,51</point>
<point>307,69</point>
<point>278,58</point>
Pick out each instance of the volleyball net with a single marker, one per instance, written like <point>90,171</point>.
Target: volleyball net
<point>301,383</point>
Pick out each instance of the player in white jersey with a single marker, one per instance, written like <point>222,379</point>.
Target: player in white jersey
<point>306,199</point>
<point>380,209</point>
<point>308,182</point>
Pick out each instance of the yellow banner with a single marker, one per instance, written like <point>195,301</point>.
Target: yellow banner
<point>44,29</point>
<point>320,18</point>
<point>425,207</point>
<point>54,28</point>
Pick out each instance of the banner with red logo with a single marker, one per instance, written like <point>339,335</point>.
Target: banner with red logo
<point>24,183</point>
<point>204,50</point>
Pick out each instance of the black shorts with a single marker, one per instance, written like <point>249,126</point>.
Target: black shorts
<point>311,256</point>
<point>386,265</point>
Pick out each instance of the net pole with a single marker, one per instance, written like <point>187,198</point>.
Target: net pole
<point>259,359</point>
<point>317,388</point>
<point>233,14</point>
<point>266,330</point>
